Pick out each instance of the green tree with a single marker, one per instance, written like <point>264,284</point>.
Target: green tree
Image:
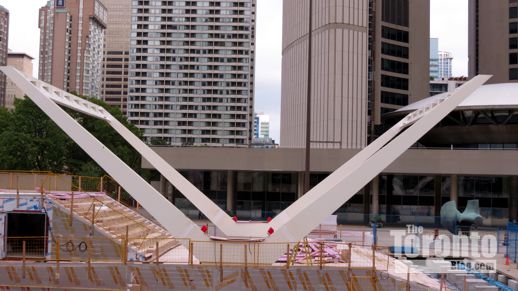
<point>29,140</point>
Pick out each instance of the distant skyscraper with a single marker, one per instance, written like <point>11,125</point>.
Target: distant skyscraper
<point>434,59</point>
<point>4,39</point>
<point>23,63</point>
<point>116,54</point>
<point>261,125</point>
<point>71,45</point>
<point>192,71</point>
<point>370,57</point>
<point>493,40</point>
<point>445,65</point>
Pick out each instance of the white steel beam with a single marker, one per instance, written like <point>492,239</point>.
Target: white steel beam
<point>170,217</point>
<point>305,214</point>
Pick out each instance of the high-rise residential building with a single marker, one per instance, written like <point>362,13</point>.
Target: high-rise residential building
<point>22,62</point>
<point>445,65</point>
<point>4,39</point>
<point>493,40</point>
<point>369,57</point>
<point>116,53</point>
<point>435,71</point>
<point>261,125</point>
<point>192,71</point>
<point>71,45</point>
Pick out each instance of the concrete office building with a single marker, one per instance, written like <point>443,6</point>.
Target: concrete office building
<point>470,154</point>
<point>435,71</point>
<point>192,71</point>
<point>261,125</point>
<point>116,53</point>
<point>445,65</point>
<point>493,39</point>
<point>4,40</point>
<point>444,85</point>
<point>22,62</point>
<point>71,45</point>
<point>364,53</point>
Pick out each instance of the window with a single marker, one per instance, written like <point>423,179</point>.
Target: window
<point>513,74</point>
<point>394,50</point>
<point>513,27</point>
<point>394,82</point>
<point>513,59</point>
<point>395,34</point>
<point>513,12</point>
<point>394,66</point>
<point>513,43</point>
<point>395,12</point>
<point>394,98</point>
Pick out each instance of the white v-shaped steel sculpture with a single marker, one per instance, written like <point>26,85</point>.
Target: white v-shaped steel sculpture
<point>290,225</point>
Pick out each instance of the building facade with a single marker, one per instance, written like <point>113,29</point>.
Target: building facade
<point>435,71</point>
<point>493,40</point>
<point>444,85</point>
<point>116,54</point>
<point>192,71</point>
<point>4,40</point>
<point>22,62</point>
<point>71,45</point>
<point>261,125</point>
<point>339,73</point>
<point>445,65</point>
<point>364,53</point>
<point>399,54</point>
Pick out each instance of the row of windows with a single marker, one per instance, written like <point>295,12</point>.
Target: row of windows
<point>394,66</point>
<point>395,12</point>
<point>170,116</point>
<point>394,98</point>
<point>394,34</point>
<point>394,50</point>
<point>394,82</point>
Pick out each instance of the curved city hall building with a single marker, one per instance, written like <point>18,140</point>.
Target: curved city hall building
<point>338,78</point>
<point>471,154</point>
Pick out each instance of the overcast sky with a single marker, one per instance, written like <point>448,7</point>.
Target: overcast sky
<point>449,23</point>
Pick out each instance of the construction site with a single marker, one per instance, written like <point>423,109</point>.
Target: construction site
<point>86,234</point>
<point>118,232</point>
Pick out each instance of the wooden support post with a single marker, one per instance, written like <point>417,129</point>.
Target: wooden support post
<point>23,258</point>
<point>288,256</point>
<point>465,288</point>
<point>349,270</point>
<point>221,262</point>
<point>191,255</point>
<point>119,194</point>
<point>55,182</point>
<point>93,219</point>
<point>321,256</point>
<point>11,180</point>
<point>57,258</point>
<point>138,206</point>
<point>42,198</point>
<point>246,257</point>
<point>79,186</point>
<point>374,277</point>
<point>17,192</point>
<point>157,253</point>
<point>101,184</point>
<point>71,218</point>
<point>126,243</point>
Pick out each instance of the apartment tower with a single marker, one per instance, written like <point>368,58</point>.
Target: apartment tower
<point>4,38</point>
<point>116,54</point>
<point>493,39</point>
<point>192,71</point>
<point>71,45</point>
<point>369,57</point>
<point>22,62</point>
